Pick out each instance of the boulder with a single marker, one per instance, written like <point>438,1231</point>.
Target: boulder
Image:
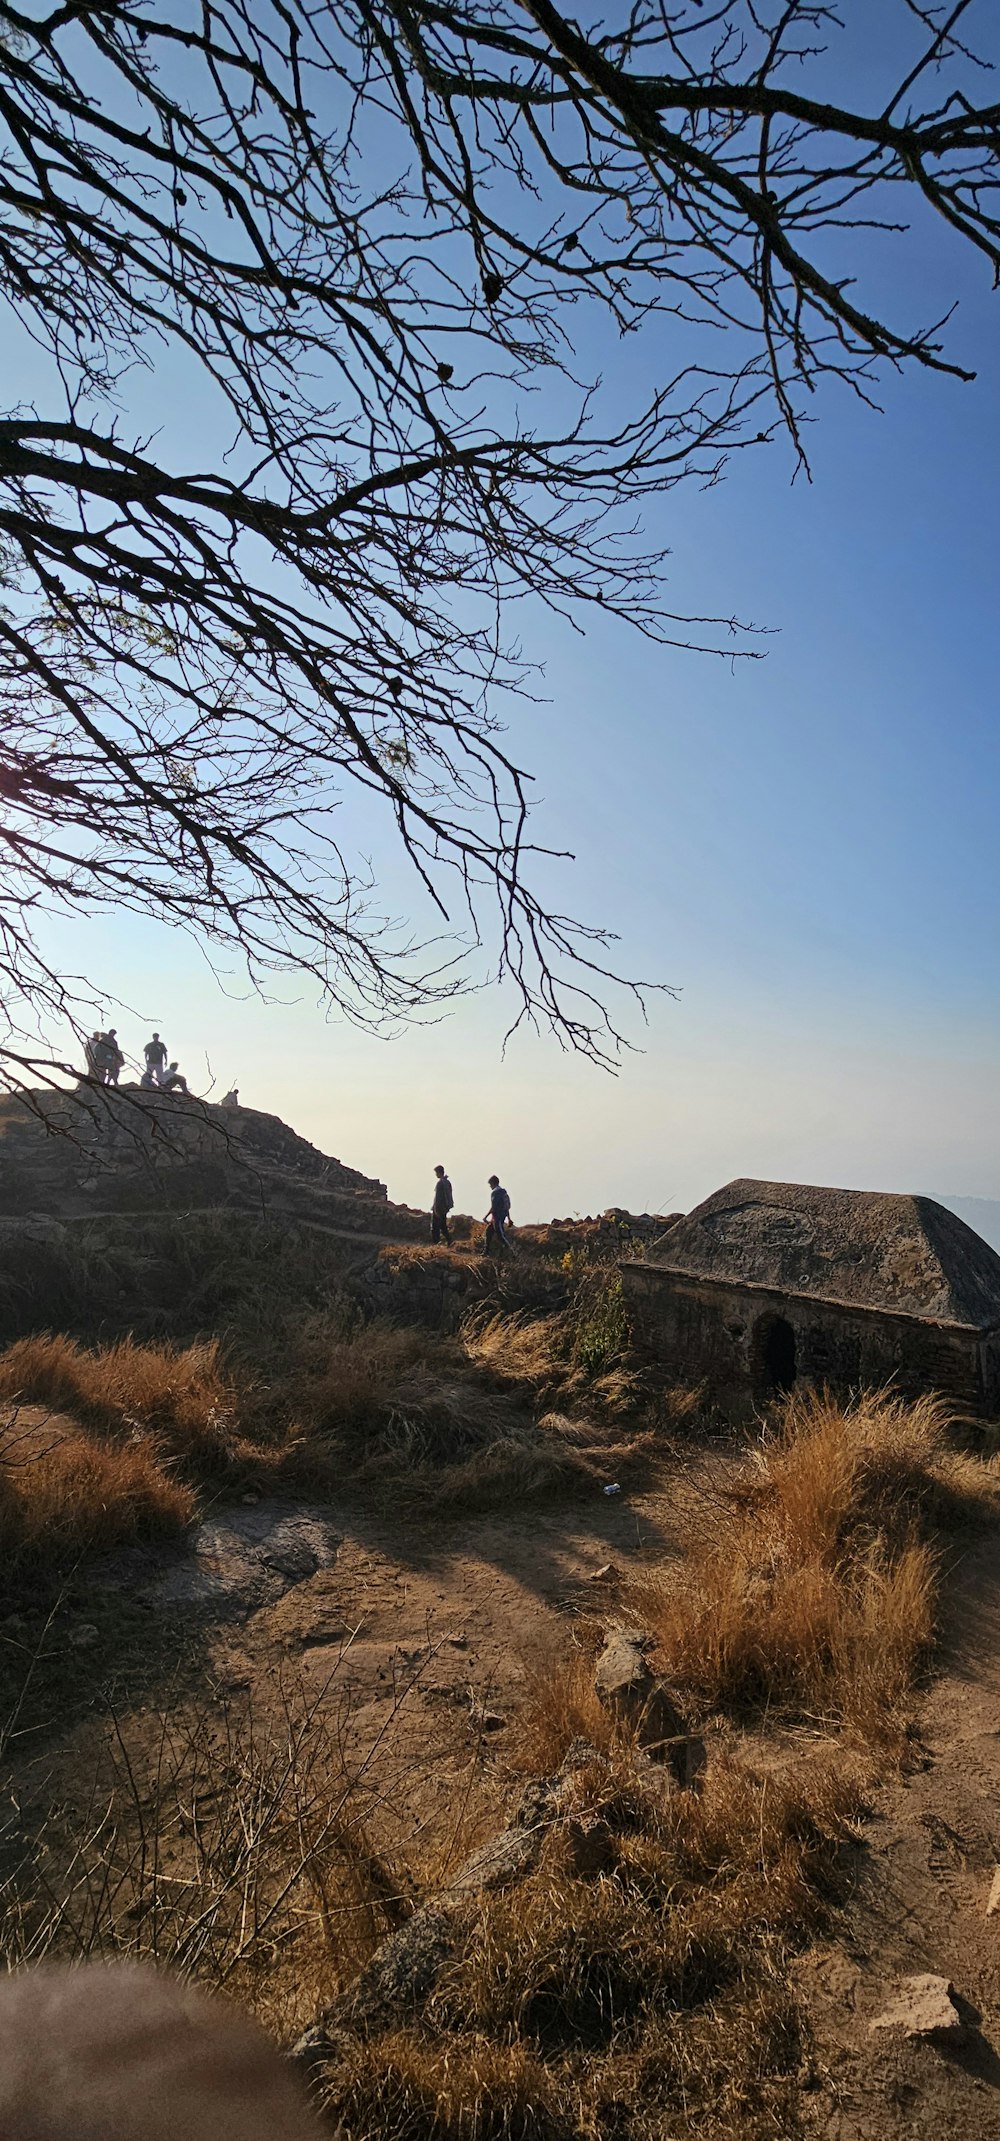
<point>923,2006</point>
<point>627,1687</point>
<point>504,1860</point>
<point>580,1754</point>
<point>401,1973</point>
<point>622,1679</point>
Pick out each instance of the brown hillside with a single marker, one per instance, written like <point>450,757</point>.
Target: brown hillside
<point>71,1155</point>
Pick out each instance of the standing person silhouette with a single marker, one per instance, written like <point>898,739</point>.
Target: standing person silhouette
<point>155,1053</point>
<point>443,1202</point>
<point>113,1058</point>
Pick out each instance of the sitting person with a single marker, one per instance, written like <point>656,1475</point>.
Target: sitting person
<point>173,1081</point>
<point>230,1099</point>
<point>149,1082</point>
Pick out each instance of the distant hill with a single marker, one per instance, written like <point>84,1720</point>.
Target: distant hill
<point>982,1213</point>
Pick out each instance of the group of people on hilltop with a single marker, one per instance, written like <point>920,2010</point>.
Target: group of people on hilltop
<point>105,1063</point>
<point>497,1220</point>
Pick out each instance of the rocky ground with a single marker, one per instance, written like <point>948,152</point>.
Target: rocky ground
<point>426,1637</point>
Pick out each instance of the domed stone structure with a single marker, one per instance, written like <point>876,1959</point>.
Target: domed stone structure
<point>768,1284</point>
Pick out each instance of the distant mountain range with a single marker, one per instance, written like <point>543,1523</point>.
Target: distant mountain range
<point>982,1213</point>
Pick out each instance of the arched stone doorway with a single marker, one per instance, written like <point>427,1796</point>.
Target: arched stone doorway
<point>773,1363</point>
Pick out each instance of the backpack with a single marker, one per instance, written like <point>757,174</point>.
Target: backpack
<point>447,1199</point>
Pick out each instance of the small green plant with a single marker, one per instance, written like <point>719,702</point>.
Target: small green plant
<point>602,1329</point>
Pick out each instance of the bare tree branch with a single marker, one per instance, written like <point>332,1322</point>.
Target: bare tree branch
<point>371,238</point>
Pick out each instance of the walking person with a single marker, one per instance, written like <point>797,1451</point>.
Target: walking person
<point>442,1205</point>
<point>497,1220</point>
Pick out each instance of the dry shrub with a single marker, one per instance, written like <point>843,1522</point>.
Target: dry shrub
<point>560,1706</point>
<point>63,1493</point>
<point>228,1845</point>
<point>179,1395</point>
<point>728,2070</point>
<point>701,1893</point>
<point>341,1402</point>
<point>811,1583</point>
<point>402,2089</point>
<point>653,1993</point>
<point>378,1404</point>
<point>533,1350</point>
<point>558,1359</point>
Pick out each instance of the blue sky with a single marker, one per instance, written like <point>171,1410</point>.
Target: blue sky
<point>805,846</point>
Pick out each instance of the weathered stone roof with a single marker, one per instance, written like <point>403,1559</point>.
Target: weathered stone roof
<point>904,1254</point>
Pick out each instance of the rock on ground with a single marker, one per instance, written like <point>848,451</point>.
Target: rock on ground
<point>245,1558</point>
<point>625,1684</point>
<point>924,2006</point>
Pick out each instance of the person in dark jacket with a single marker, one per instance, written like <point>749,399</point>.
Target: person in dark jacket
<point>155,1053</point>
<point>498,1218</point>
<point>443,1201</point>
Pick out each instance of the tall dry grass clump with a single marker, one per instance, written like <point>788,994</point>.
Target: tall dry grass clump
<point>809,1582</point>
<point>633,1986</point>
<point>101,1448</point>
<point>384,1407</point>
<point>180,1394</point>
<point>63,1493</point>
<point>577,1359</point>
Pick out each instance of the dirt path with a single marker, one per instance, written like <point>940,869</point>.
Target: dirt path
<point>924,1876</point>
<point>416,1637</point>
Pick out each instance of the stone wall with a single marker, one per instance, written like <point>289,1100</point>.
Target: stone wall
<point>708,1331</point>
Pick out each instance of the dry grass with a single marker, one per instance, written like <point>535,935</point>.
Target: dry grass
<point>339,1404</point>
<point>645,1998</point>
<point>401,2088</point>
<point>810,1580</point>
<point>180,1395</point>
<point>530,1350</point>
<point>102,1448</point>
<point>63,1493</point>
<point>560,1706</point>
<point>557,1360</point>
<point>637,1991</point>
<point>651,1990</point>
<point>382,1405</point>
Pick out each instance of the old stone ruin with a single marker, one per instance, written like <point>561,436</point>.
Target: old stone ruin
<point>771,1284</point>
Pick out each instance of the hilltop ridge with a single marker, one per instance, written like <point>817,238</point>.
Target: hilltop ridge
<point>109,1149</point>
